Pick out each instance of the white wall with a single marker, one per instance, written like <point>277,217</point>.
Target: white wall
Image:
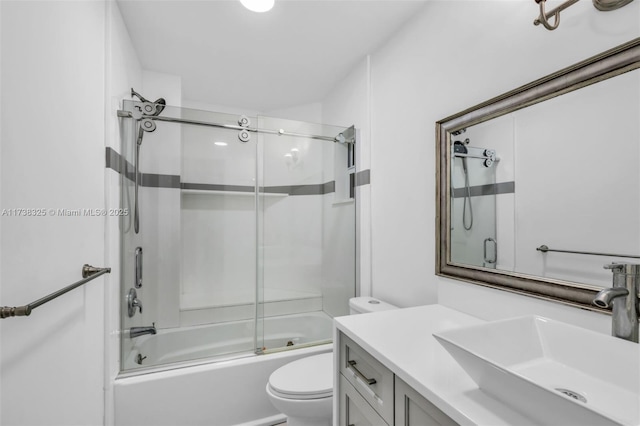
<point>53,141</point>
<point>577,183</point>
<point>453,55</point>
<point>348,104</point>
<point>123,73</point>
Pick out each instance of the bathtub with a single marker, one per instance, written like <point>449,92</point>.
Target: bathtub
<point>212,376</point>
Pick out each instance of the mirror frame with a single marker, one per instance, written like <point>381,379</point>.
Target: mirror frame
<point>610,63</point>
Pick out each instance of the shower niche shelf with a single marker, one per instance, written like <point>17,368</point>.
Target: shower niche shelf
<point>236,193</point>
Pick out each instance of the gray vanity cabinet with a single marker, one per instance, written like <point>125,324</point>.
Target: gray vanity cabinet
<point>354,410</point>
<point>369,378</point>
<point>412,409</point>
<point>371,394</point>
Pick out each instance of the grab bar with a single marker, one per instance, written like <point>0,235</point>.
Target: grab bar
<point>88,273</point>
<point>543,248</point>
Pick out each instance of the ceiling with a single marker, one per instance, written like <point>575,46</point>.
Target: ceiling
<point>291,55</point>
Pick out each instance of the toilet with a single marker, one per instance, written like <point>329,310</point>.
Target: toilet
<point>303,389</point>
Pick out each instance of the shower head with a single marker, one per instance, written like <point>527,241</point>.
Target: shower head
<point>460,148</point>
<point>159,104</point>
<point>139,96</point>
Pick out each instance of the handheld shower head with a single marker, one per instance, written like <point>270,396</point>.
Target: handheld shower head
<point>158,105</point>
<point>460,148</point>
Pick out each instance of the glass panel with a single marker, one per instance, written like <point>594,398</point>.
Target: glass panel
<point>473,206</point>
<point>248,239</point>
<point>197,230</point>
<point>306,233</point>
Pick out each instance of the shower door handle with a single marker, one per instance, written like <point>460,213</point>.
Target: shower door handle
<point>495,252</point>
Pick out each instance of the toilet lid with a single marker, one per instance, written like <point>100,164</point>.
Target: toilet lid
<point>306,378</point>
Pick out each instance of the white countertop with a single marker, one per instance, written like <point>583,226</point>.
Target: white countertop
<point>402,340</point>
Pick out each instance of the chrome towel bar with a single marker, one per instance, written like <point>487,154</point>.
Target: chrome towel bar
<point>88,273</point>
<point>543,248</point>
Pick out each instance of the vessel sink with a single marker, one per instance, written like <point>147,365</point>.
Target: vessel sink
<point>552,372</point>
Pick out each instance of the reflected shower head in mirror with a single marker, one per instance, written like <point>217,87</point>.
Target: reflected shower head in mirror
<point>461,148</point>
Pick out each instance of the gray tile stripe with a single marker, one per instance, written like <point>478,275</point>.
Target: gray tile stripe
<point>363,177</point>
<point>118,163</point>
<point>491,189</point>
<point>114,160</point>
<point>317,189</point>
<point>151,180</point>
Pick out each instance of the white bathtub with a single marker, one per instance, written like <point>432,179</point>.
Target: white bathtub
<point>225,339</point>
<point>224,390</point>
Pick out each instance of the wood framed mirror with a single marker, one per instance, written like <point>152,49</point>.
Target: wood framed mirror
<point>539,188</point>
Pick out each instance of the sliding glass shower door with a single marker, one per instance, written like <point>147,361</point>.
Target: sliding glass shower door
<point>473,208</point>
<point>306,233</point>
<point>246,239</point>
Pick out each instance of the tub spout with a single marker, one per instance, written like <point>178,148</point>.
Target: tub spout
<point>141,331</point>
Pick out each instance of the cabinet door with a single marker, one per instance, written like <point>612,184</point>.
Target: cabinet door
<point>368,376</point>
<point>354,410</point>
<point>412,409</point>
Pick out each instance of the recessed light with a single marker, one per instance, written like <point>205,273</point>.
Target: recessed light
<point>258,5</point>
<point>220,143</point>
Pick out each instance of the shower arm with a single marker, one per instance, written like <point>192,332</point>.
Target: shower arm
<point>348,136</point>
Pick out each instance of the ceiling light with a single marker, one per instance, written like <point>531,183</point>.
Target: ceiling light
<point>220,143</point>
<point>258,5</point>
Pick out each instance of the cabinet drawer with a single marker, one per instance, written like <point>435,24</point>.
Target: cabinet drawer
<point>368,376</point>
<point>354,410</point>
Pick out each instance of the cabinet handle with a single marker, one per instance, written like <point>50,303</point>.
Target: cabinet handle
<point>352,365</point>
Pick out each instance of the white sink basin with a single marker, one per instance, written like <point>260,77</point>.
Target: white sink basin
<point>554,373</point>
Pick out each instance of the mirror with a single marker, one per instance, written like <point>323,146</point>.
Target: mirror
<point>539,188</point>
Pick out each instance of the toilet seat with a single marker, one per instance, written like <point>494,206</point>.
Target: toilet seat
<point>305,378</point>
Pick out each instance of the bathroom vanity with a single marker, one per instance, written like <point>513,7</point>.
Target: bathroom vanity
<point>392,371</point>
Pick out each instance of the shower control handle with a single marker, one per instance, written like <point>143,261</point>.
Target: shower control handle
<point>133,302</point>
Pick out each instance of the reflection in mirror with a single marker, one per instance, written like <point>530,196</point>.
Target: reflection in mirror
<point>545,165</point>
<point>473,188</point>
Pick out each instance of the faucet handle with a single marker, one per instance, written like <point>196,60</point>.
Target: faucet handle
<point>614,266</point>
<point>133,302</point>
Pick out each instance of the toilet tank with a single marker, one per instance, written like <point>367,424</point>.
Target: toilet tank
<point>362,305</point>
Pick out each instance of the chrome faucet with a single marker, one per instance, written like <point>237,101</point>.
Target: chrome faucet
<point>141,331</point>
<point>623,298</point>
